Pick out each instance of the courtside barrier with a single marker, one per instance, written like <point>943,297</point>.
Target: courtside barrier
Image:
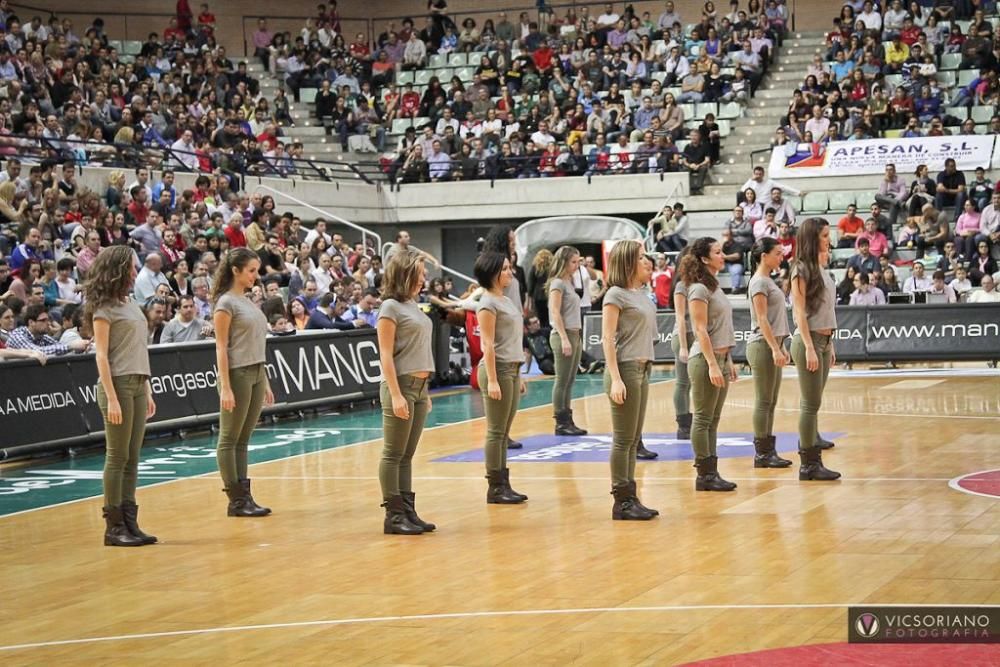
<point>922,332</point>
<point>50,407</point>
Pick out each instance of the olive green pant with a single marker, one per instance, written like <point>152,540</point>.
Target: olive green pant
<point>249,386</point>
<point>811,384</point>
<point>124,441</point>
<point>566,368</point>
<point>766,385</point>
<point>706,404</point>
<point>500,413</point>
<point>395,470</point>
<point>682,388</point>
<point>627,419</point>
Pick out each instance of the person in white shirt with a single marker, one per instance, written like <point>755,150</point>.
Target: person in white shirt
<point>893,21</point>
<point>988,294</point>
<point>316,232</point>
<point>864,294</point>
<point>961,284</point>
<point>446,120</point>
<point>762,186</point>
<point>917,282</point>
<point>870,17</point>
<point>608,19</point>
<point>818,124</point>
<point>542,136</point>
<point>668,18</point>
<point>184,151</point>
<point>149,277</point>
<point>185,327</point>
<point>938,286</point>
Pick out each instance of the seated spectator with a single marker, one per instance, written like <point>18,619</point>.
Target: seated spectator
<point>950,188</point>
<point>34,335</point>
<point>697,160</point>
<point>733,254</point>
<point>783,209</point>
<point>851,226</point>
<point>327,314</point>
<point>967,229</point>
<point>918,282</point>
<point>939,286</point>
<point>980,190</point>
<point>149,277</point>
<point>864,294</point>
<point>155,309</point>
<point>988,293</point>
<point>892,193</point>
<point>961,283</point>
<point>864,262</point>
<point>185,327</point>
<point>766,226</point>
<point>981,264</point>
<point>877,241</point>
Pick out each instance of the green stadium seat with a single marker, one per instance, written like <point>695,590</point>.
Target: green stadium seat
<point>423,77</point>
<point>308,95</point>
<point>457,60</point>
<point>399,125</point>
<point>966,76</point>
<point>688,111</point>
<point>731,110</point>
<point>437,61</point>
<point>893,81</point>
<point>839,201</point>
<point>404,77</point>
<point>465,73</point>
<point>893,134</point>
<point>815,202</point>
<point>951,61</point>
<point>132,47</point>
<point>840,256</point>
<point>703,108</point>
<point>725,127</point>
<point>982,114</point>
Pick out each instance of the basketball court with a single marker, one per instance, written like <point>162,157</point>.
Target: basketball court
<point>771,567</point>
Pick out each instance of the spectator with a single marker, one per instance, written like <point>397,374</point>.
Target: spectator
<point>149,277</point>
<point>864,294</point>
<point>938,286</point>
<point>783,209</point>
<point>961,284</point>
<point>733,255</point>
<point>981,264</point>
<point>950,188</point>
<point>697,160</point>
<point>200,286</point>
<point>917,282</point>
<point>892,193</point>
<point>185,327</point>
<point>967,229</point>
<point>34,335</point>
<point>327,314</point>
<point>988,293</point>
<point>864,262</point>
<point>28,250</point>
<point>877,241</point>
<point>851,226</point>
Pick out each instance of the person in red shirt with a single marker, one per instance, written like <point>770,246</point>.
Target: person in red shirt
<point>663,280</point>
<point>910,34</point>
<point>359,48</point>
<point>850,227</point>
<point>173,31</point>
<point>542,58</point>
<point>786,239</point>
<point>234,231</point>
<point>411,103</point>
<point>206,20</point>
<point>139,208</point>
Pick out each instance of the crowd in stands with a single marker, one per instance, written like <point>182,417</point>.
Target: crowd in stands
<point>577,95</point>
<point>179,102</point>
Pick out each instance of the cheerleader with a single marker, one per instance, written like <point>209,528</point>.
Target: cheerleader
<point>628,329</point>
<point>814,299</point>
<point>766,348</point>
<point>565,317</point>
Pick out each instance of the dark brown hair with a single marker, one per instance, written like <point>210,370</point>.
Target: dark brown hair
<point>109,280</point>
<point>237,258</point>
<point>807,262</point>
<point>692,269</point>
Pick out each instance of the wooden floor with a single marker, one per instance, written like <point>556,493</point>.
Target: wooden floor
<point>552,582</point>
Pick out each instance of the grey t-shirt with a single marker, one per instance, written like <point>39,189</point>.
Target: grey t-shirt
<point>509,335</point>
<point>825,316</point>
<point>247,331</point>
<point>128,352</point>
<point>570,308</point>
<point>777,312</point>
<point>720,317</point>
<point>176,331</point>
<point>680,287</point>
<point>636,323</point>
<point>411,350</point>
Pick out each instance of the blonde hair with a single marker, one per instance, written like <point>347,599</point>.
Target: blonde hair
<point>401,275</point>
<point>542,261</point>
<point>117,176</point>
<point>564,255</point>
<point>622,263</point>
<point>7,191</point>
<point>126,135</point>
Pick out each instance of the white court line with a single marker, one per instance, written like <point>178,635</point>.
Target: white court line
<point>471,614</point>
<point>293,456</point>
<point>953,483</point>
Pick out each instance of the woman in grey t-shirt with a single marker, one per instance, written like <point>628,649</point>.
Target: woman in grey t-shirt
<point>566,320</point>
<point>766,349</point>
<point>710,364</point>
<point>404,345</point>
<point>501,331</point>
<point>680,343</point>
<point>628,331</point>
<point>123,392</point>
<point>814,299</point>
<point>240,344</point>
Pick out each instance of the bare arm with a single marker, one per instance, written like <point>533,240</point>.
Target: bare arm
<point>102,335</point>
<point>801,318</point>
<point>760,309</point>
<point>487,336</point>
<point>680,308</point>
<point>386,331</point>
<point>222,320</point>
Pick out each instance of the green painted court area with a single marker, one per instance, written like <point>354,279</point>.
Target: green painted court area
<point>168,458</point>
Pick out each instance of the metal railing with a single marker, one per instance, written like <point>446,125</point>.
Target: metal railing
<point>444,269</point>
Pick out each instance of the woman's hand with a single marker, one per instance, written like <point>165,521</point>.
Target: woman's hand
<point>400,407</point>
<point>567,349</point>
<point>269,397</point>
<point>493,390</point>
<point>618,392</point>
<point>779,356</point>
<point>114,411</point>
<point>682,355</point>
<point>524,387</point>
<point>150,406</point>
<point>833,356</point>
<point>716,377</point>
<point>733,375</point>
<point>228,400</point>
<point>812,361</point>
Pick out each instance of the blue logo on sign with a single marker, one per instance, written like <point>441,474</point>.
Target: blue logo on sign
<point>596,448</point>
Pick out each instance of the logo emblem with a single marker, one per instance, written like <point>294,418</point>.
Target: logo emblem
<point>867,625</point>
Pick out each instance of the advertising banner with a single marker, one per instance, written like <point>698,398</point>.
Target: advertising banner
<point>898,333</point>
<point>869,156</point>
<point>56,404</point>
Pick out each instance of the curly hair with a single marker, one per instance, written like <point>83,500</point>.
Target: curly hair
<point>109,279</point>
<point>693,270</point>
